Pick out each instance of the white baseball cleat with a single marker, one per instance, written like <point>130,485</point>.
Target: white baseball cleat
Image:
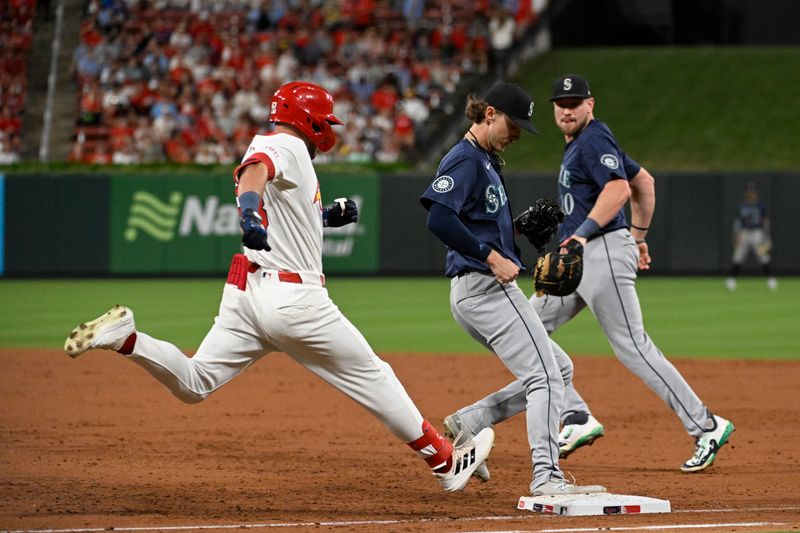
<point>466,458</point>
<point>456,429</point>
<point>708,445</point>
<point>772,283</point>
<point>573,436</point>
<point>108,331</point>
<point>730,284</point>
<point>562,487</point>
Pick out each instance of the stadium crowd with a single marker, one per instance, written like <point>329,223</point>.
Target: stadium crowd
<point>16,25</point>
<point>189,81</point>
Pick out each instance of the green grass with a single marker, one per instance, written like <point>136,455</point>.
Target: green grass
<point>698,108</point>
<point>693,317</point>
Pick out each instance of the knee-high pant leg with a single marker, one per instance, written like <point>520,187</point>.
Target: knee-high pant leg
<point>510,400</point>
<point>500,317</point>
<point>322,339</point>
<point>300,320</point>
<point>231,345</point>
<point>609,289</point>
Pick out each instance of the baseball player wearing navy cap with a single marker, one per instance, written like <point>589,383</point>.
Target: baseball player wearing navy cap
<point>275,298</point>
<point>751,233</point>
<point>469,211</point>
<point>595,181</point>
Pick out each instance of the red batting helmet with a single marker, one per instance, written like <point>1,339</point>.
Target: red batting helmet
<point>307,107</point>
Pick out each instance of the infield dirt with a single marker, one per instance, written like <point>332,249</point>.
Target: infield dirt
<point>97,443</point>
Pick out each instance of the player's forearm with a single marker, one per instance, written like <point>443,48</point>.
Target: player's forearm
<point>643,203</point>
<point>253,179</point>
<point>445,224</point>
<point>610,201</point>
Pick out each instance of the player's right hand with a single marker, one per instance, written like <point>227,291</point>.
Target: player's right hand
<point>644,256</point>
<point>504,270</point>
<point>254,234</point>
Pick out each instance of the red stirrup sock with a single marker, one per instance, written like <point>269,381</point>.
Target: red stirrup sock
<point>434,448</point>
<point>127,346</point>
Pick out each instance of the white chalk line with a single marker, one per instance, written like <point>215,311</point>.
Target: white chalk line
<point>344,523</point>
<point>637,528</point>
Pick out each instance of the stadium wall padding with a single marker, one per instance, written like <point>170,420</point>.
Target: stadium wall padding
<point>139,224</point>
<point>56,224</point>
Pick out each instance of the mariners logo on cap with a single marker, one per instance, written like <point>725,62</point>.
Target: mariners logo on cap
<point>443,184</point>
<point>610,161</point>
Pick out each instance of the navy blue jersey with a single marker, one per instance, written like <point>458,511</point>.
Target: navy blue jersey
<point>751,215</point>
<point>591,160</point>
<point>469,182</point>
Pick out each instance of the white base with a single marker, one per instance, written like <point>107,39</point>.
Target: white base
<point>599,503</point>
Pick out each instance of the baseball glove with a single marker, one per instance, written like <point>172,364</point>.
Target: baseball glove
<point>539,222</point>
<point>765,247</point>
<point>559,274</point>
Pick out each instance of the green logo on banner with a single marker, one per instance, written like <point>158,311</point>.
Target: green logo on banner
<point>152,216</point>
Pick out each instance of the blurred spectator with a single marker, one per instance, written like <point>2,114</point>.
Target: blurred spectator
<point>502,28</point>
<point>16,24</point>
<point>9,153</point>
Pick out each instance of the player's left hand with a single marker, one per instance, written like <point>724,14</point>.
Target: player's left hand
<point>343,211</point>
<point>644,256</point>
<point>539,223</point>
<point>254,234</point>
<point>564,243</point>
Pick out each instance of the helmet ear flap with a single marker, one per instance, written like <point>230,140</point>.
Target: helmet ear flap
<point>309,108</point>
<point>325,138</point>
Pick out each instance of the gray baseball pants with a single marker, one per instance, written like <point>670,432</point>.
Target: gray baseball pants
<point>608,289</point>
<point>500,317</point>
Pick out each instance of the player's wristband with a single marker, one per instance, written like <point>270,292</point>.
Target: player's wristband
<point>639,228</point>
<point>640,241</point>
<point>588,228</point>
<point>248,200</point>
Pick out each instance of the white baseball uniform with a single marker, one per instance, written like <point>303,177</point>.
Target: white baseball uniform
<point>284,307</point>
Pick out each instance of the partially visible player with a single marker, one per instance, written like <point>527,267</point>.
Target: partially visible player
<point>751,233</point>
<point>469,211</point>
<point>595,181</point>
<point>275,298</point>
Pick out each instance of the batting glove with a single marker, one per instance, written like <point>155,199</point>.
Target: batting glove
<point>255,234</point>
<point>342,212</point>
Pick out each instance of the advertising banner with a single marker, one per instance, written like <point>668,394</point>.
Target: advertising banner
<point>172,224</point>
<point>190,224</point>
<point>354,247</point>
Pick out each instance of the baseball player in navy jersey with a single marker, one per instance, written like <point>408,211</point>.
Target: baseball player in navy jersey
<point>595,181</point>
<point>751,233</point>
<point>469,210</point>
<point>275,298</point>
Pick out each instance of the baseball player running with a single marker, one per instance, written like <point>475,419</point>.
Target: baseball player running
<point>595,181</point>
<point>469,211</point>
<point>751,233</point>
<point>275,298</point>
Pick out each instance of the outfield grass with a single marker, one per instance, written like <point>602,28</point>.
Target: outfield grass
<point>674,108</point>
<point>685,316</point>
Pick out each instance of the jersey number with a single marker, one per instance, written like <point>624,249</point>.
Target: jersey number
<point>567,203</point>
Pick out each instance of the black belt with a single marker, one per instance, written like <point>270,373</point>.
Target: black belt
<point>465,272</point>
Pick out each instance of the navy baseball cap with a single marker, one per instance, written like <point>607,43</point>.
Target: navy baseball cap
<point>571,86</point>
<point>513,101</point>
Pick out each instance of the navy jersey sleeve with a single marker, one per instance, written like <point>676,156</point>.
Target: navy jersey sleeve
<point>453,185</point>
<point>631,167</point>
<point>603,160</point>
